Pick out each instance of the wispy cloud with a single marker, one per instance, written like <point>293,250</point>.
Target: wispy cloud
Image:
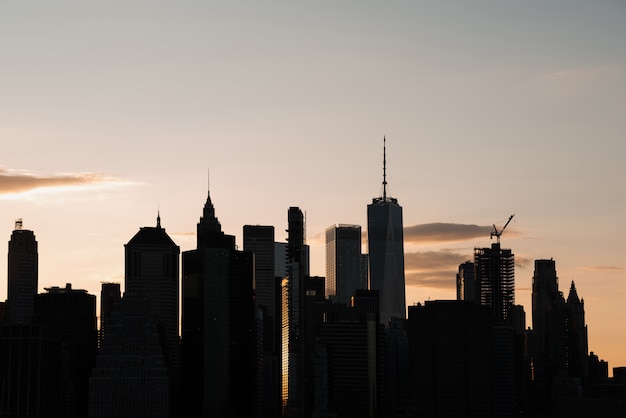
<point>435,269</point>
<point>441,232</point>
<point>15,182</point>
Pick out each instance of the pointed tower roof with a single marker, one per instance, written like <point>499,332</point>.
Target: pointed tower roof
<point>209,230</point>
<point>152,236</point>
<point>573,295</point>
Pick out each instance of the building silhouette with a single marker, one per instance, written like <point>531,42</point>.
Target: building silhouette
<point>297,402</point>
<point>110,296</point>
<point>32,373</point>
<point>218,320</point>
<point>22,275</point>
<point>152,269</point>
<point>343,262</point>
<point>259,240</point>
<point>385,240</point>
<point>495,273</point>
<point>71,315</point>
<point>130,378</point>
<point>351,351</point>
<point>450,344</point>
<point>467,288</point>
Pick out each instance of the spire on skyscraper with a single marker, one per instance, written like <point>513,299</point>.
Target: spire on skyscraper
<point>573,295</point>
<point>384,198</point>
<point>158,218</point>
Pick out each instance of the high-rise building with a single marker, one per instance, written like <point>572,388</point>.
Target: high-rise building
<point>545,293</point>
<point>385,239</point>
<point>218,347</point>
<point>577,340</point>
<point>32,371</point>
<point>343,262</point>
<point>297,265</point>
<point>151,269</point>
<point>110,295</point>
<point>451,352</point>
<point>495,273</point>
<point>71,313</point>
<point>130,378</point>
<point>466,286</point>
<point>259,240</point>
<point>22,275</point>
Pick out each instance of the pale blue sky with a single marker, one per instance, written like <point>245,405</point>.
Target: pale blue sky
<point>489,108</point>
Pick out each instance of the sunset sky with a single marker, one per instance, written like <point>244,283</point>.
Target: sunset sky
<point>112,111</point>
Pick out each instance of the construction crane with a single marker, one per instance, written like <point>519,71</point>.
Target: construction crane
<point>497,233</point>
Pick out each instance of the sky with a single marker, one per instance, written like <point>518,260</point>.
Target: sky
<point>111,112</point>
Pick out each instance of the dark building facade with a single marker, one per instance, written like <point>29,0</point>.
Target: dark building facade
<point>450,345</point>
<point>32,372</point>
<point>110,295</point>
<point>218,347</point>
<point>495,273</point>
<point>260,240</point>
<point>385,238</point>
<point>152,269</point>
<point>23,265</point>
<point>467,288</point>
<point>343,262</point>
<point>71,314</point>
<point>130,378</point>
<point>297,402</point>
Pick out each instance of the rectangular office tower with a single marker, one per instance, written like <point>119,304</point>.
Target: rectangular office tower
<point>343,262</point>
<point>385,240</point>
<point>22,275</point>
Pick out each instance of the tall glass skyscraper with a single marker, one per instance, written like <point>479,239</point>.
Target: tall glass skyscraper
<point>385,240</point>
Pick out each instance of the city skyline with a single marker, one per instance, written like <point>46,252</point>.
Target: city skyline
<point>115,112</point>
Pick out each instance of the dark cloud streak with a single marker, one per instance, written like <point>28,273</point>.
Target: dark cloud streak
<point>13,182</point>
<point>441,232</point>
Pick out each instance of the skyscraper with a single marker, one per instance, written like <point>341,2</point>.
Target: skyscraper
<point>544,299</point>
<point>71,313</point>
<point>151,270</point>
<point>110,295</point>
<point>259,239</point>
<point>385,240</point>
<point>495,274</point>
<point>218,349</point>
<point>130,378</point>
<point>22,275</point>
<point>297,264</point>
<point>466,286</point>
<point>343,262</point>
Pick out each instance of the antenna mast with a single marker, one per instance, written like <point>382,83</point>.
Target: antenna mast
<point>384,169</point>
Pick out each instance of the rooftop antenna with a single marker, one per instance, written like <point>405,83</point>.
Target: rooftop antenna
<point>384,168</point>
<point>497,233</point>
<point>158,216</point>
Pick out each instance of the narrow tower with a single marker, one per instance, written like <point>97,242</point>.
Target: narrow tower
<point>22,275</point>
<point>386,251</point>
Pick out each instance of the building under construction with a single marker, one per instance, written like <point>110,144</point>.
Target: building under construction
<point>494,270</point>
